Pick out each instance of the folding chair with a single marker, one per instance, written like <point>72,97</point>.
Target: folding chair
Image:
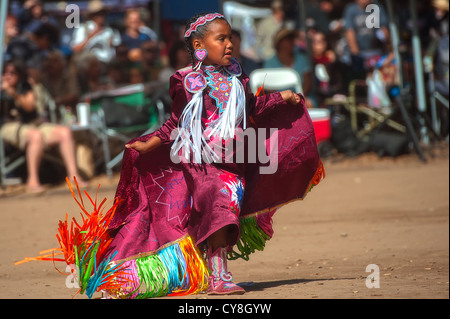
<point>140,99</point>
<point>358,105</point>
<point>9,161</point>
<point>363,118</point>
<point>276,79</point>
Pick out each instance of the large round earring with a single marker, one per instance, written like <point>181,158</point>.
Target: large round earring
<point>200,55</point>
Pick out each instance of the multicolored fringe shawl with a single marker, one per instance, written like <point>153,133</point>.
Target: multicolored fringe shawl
<point>84,245</point>
<point>175,269</point>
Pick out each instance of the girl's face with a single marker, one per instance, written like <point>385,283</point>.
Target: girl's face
<point>217,42</point>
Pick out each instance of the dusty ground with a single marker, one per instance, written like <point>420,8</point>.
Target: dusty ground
<point>393,213</point>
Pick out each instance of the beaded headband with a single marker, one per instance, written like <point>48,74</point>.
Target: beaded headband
<point>201,21</point>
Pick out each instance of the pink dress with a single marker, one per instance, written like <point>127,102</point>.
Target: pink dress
<point>170,209</point>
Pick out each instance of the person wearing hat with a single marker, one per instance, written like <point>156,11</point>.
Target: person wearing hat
<point>288,56</point>
<point>94,35</point>
<point>266,30</point>
<point>441,25</point>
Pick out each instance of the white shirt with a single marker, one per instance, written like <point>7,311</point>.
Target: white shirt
<point>102,44</point>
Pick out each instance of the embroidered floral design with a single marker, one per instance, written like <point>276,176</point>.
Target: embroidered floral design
<point>194,82</point>
<point>234,68</point>
<point>234,188</point>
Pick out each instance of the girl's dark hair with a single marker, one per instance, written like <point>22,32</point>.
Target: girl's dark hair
<point>199,33</point>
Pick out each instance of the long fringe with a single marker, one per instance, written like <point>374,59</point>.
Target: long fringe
<point>191,134</point>
<point>84,245</point>
<point>176,270</point>
<point>233,115</point>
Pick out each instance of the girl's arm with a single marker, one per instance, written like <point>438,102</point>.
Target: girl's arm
<point>290,97</point>
<point>162,136</point>
<point>261,104</point>
<point>144,147</point>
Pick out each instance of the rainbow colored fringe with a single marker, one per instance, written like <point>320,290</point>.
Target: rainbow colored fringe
<point>176,269</point>
<point>84,246</point>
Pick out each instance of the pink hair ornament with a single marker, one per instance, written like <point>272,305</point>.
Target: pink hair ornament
<point>201,21</point>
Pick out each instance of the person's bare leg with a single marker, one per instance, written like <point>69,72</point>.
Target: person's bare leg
<point>63,136</point>
<point>34,150</point>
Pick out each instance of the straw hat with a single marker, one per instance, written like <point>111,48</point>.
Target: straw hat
<point>440,4</point>
<point>276,5</point>
<point>283,34</point>
<point>95,6</point>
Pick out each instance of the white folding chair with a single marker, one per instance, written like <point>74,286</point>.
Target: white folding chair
<point>276,79</point>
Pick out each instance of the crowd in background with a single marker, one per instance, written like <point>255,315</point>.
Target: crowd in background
<point>100,57</point>
<point>332,47</point>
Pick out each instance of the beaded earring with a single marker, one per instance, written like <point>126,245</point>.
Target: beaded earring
<point>200,55</point>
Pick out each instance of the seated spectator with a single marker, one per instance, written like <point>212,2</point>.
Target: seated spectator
<point>151,62</point>
<point>59,81</point>
<point>247,64</point>
<point>117,74</point>
<point>11,31</point>
<point>29,48</point>
<point>288,56</point>
<point>90,77</point>
<point>267,29</point>
<point>365,44</point>
<point>133,36</point>
<point>94,36</point>
<point>24,128</point>
<point>327,71</point>
<point>136,74</point>
<point>33,11</point>
<point>122,55</point>
<point>178,58</point>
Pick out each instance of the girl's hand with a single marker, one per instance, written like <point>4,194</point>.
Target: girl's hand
<point>145,147</point>
<point>291,97</point>
<point>141,147</point>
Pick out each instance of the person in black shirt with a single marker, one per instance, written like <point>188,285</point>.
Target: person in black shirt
<point>23,127</point>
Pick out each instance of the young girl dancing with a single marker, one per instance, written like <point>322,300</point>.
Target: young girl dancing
<point>165,201</point>
<point>180,194</point>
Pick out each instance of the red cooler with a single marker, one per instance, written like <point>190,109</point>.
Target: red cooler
<point>322,124</point>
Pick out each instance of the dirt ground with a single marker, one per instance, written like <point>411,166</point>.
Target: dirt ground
<point>392,213</point>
